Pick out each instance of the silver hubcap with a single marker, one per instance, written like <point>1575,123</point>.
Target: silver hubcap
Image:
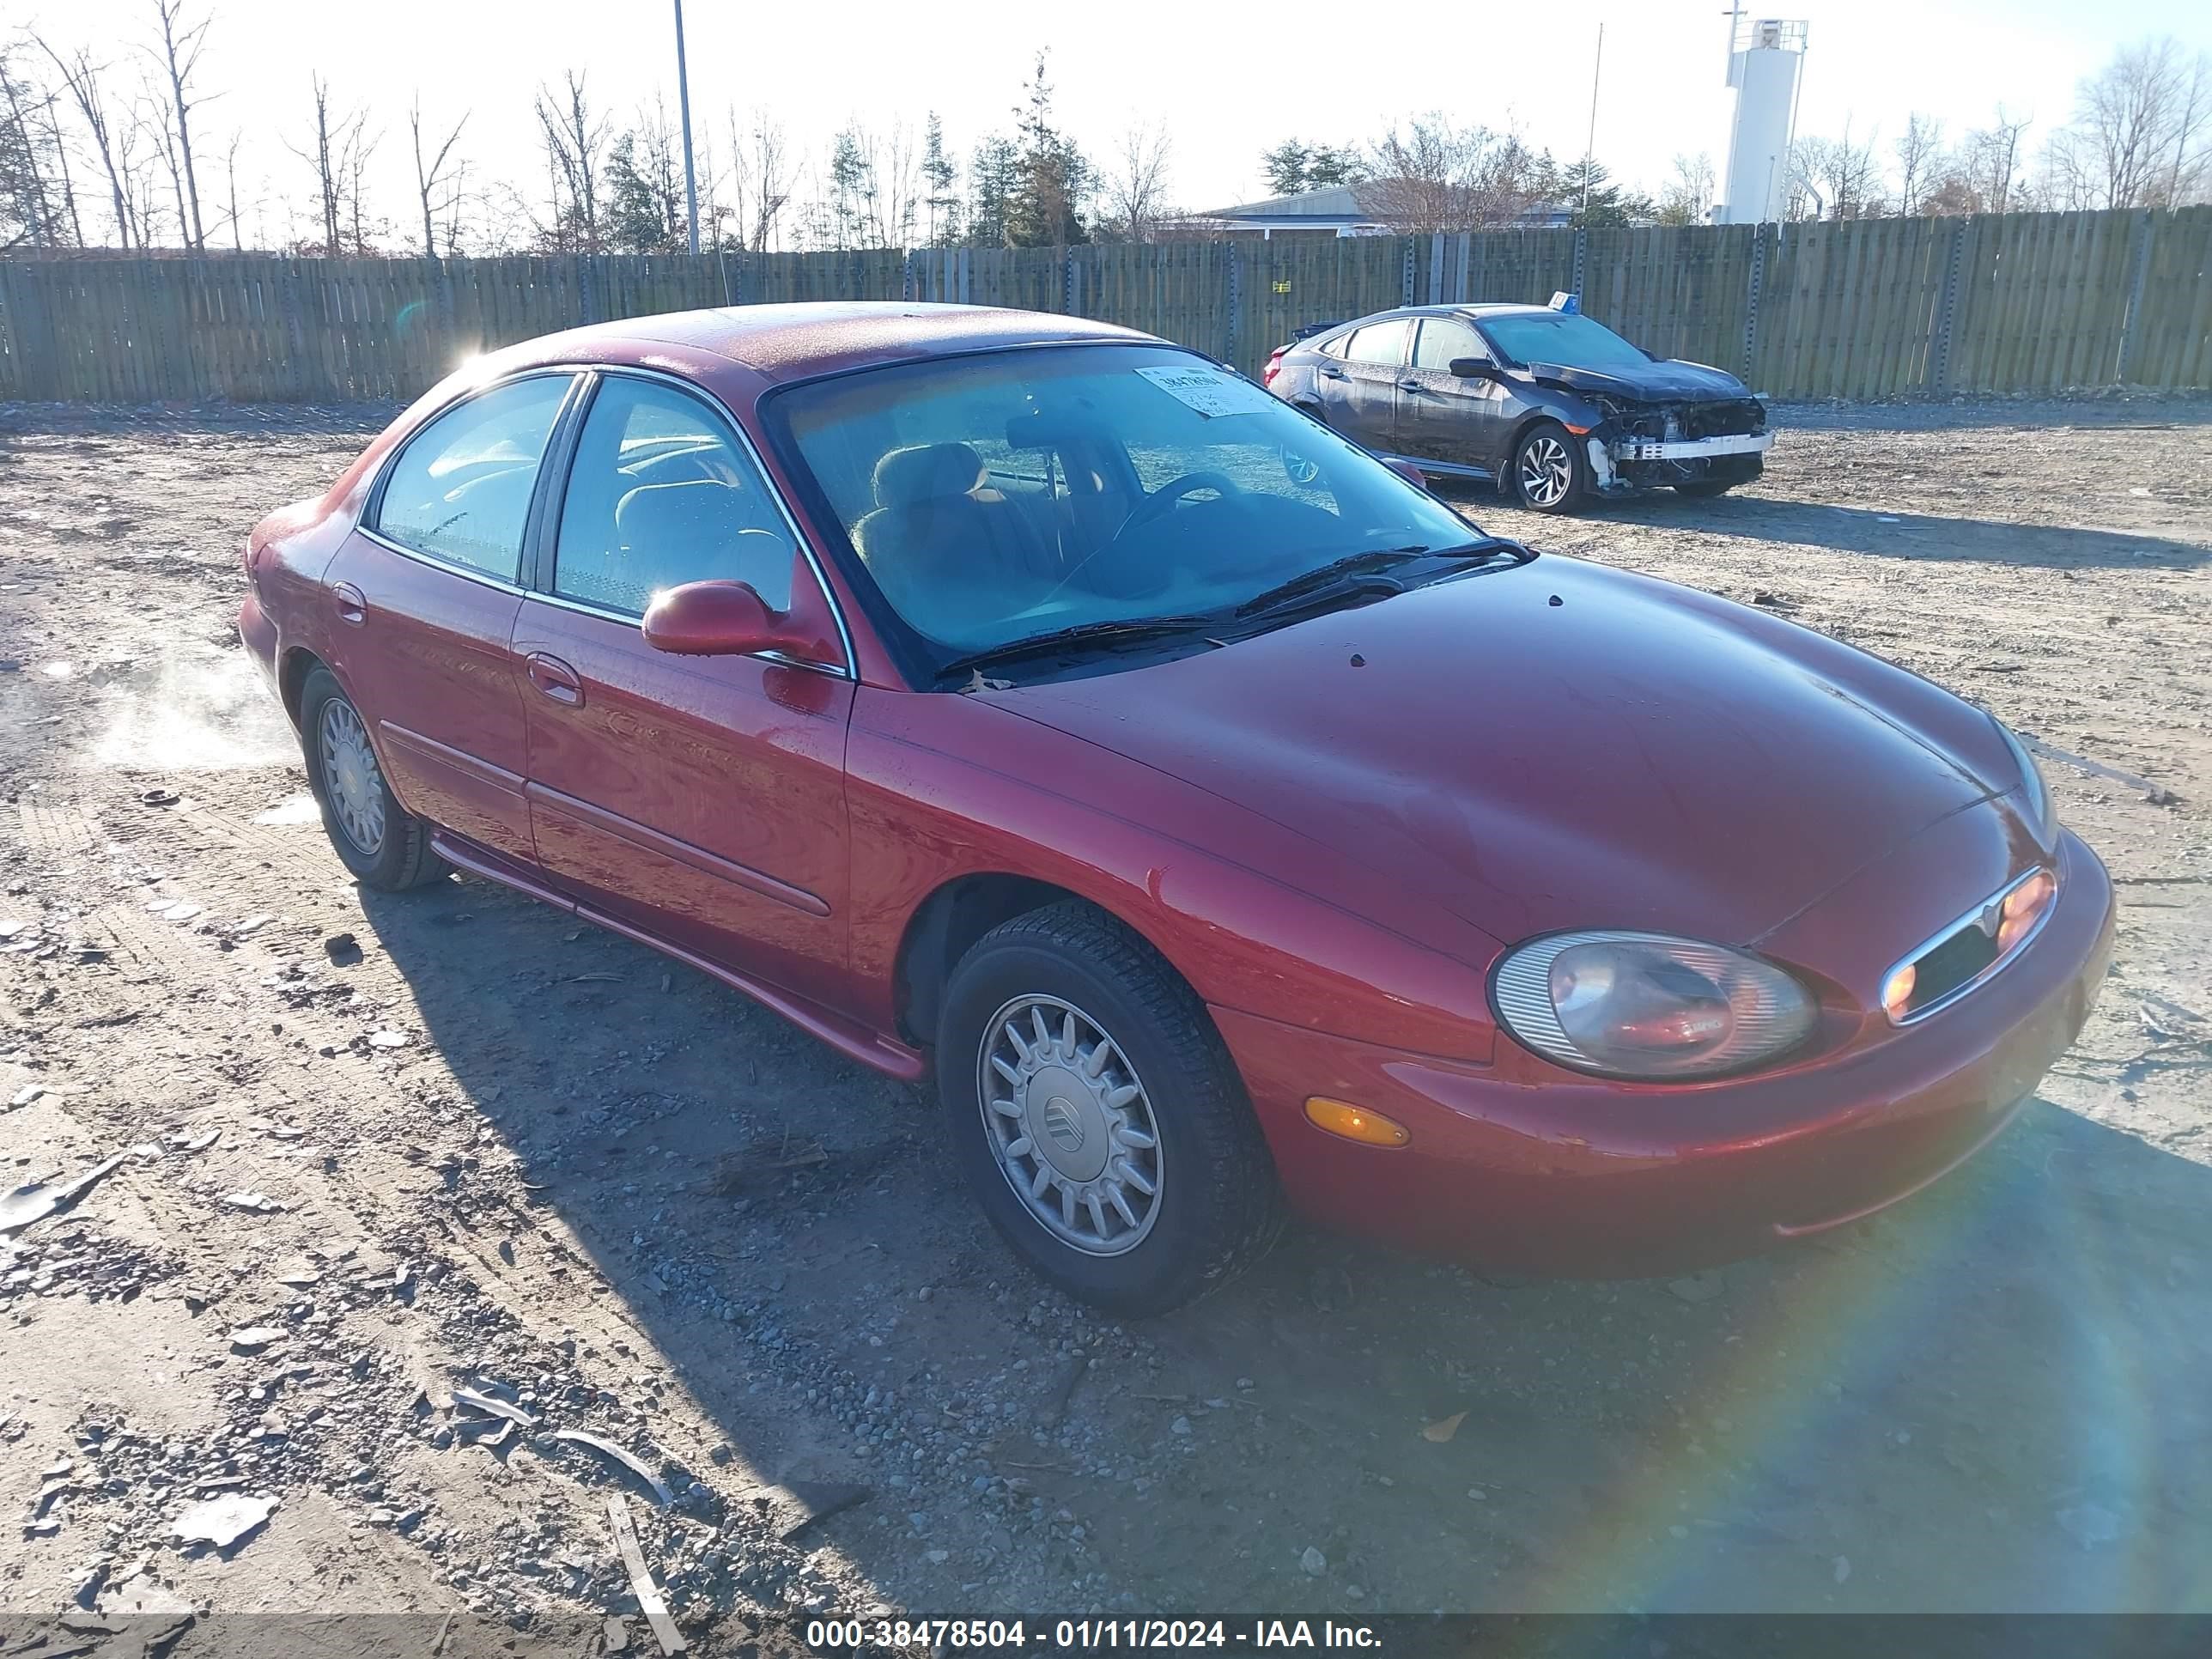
<point>349,776</point>
<point>1070,1124</point>
<point>1546,471</point>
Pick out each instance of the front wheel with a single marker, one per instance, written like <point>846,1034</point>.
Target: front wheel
<point>1550,472</point>
<point>375,837</point>
<point>1098,1117</point>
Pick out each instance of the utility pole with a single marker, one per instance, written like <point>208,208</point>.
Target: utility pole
<point>683,107</point>
<point>1589,144</point>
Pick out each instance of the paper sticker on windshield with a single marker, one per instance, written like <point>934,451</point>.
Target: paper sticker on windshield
<point>1211,391</point>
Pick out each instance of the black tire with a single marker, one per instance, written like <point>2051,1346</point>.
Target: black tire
<point>1217,1208</point>
<point>1547,441</point>
<point>1704,489</point>
<point>401,858</point>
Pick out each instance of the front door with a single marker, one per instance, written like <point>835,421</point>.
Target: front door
<point>1362,406</point>
<point>427,591</point>
<point>699,798</point>
<point>1443,417</point>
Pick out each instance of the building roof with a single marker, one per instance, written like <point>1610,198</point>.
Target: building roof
<point>1332,204</point>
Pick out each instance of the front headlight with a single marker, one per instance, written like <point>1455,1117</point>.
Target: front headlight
<point>1649,1005</point>
<point>2031,777</point>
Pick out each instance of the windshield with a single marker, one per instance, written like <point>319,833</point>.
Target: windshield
<point>993,498</point>
<point>1557,337</point>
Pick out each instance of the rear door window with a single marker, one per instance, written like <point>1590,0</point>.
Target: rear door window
<point>460,490</point>
<point>1382,344</point>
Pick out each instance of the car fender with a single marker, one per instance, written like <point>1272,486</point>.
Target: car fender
<point>946,785</point>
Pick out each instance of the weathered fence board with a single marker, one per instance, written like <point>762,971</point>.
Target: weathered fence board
<point>1868,308</point>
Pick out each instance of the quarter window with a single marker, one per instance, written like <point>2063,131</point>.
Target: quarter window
<point>1380,343</point>
<point>460,490</point>
<point>1442,340</point>
<point>660,494</point>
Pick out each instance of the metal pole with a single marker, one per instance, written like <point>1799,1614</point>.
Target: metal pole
<point>683,104</point>
<point>1589,145</point>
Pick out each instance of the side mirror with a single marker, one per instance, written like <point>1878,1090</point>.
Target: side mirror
<point>713,619</point>
<point>1472,368</point>
<point>1406,469</point>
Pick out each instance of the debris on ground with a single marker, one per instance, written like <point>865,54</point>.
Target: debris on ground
<point>649,1600</point>
<point>487,1405</point>
<point>799,1503</point>
<point>607,1448</point>
<point>222,1521</point>
<point>259,1202</point>
<point>1443,1428</point>
<point>27,1203</point>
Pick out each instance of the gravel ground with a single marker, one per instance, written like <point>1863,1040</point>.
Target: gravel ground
<point>478,1154</point>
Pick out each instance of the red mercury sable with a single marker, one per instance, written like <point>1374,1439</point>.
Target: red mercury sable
<point>1038,708</point>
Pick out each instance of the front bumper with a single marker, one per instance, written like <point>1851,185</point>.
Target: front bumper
<point>1691,449</point>
<point>1578,1177</point>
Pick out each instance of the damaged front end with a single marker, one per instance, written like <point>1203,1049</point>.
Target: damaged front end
<point>1715,443</point>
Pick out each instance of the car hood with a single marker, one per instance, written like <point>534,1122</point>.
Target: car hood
<point>1654,382</point>
<point>1559,745</point>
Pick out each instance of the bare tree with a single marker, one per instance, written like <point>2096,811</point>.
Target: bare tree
<point>182,41</point>
<point>151,114</point>
<point>1841,179</point>
<point>1437,176</point>
<point>230,175</point>
<point>435,185</point>
<point>761,169</point>
<point>576,141</point>
<point>1687,199</point>
<point>1990,160</point>
<point>2142,126</point>
<point>82,77</point>
<point>338,153</point>
<point>1919,151</point>
<point>1136,185</point>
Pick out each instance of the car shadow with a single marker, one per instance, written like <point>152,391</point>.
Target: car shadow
<point>1844,529</point>
<point>1990,1397</point>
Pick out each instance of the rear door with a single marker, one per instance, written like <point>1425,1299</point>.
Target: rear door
<point>700,799</point>
<point>1442,417</point>
<point>1362,403</point>
<point>427,589</point>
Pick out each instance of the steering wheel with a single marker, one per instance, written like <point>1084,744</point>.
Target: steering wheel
<point>1172,492</point>
<point>1152,506</point>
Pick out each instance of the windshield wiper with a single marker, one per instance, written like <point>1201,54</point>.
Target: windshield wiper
<point>1117,631</point>
<point>1308,583</point>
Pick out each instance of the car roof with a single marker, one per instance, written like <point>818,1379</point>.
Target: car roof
<point>784,342</point>
<point>1489,308</point>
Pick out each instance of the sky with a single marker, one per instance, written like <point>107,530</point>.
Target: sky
<point>1229,80</point>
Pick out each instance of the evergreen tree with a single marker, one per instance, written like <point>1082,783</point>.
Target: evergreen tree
<point>940,176</point>
<point>852,190</point>
<point>1052,178</point>
<point>993,177</point>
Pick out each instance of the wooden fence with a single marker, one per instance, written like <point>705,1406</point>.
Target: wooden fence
<point>1871,309</point>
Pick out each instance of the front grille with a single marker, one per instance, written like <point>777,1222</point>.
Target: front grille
<point>1725,420</point>
<point>1951,964</point>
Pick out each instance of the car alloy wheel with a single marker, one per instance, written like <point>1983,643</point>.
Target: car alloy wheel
<point>1070,1125</point>
<point>1546,471</point>
<point>350,776</point>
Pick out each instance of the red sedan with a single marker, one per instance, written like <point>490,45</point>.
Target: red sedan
<point>1038,708</point>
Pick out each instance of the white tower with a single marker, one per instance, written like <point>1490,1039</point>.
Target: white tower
<point>1765,57</point>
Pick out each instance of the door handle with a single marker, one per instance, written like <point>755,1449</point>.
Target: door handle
<point>1411,385</point>
<point>352,604</point>
<point>1332,374</point>
<point>554,679</point>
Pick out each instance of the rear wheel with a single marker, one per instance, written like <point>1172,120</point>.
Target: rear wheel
<point>1097,1116</point>
<point>375,837</point>
<point>1550,472</point>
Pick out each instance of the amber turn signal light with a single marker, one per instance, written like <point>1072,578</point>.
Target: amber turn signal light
<point>1355,1122</point>
<point>1897,995</point>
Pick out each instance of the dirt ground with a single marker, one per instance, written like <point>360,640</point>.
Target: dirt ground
<point>483,1150</point>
